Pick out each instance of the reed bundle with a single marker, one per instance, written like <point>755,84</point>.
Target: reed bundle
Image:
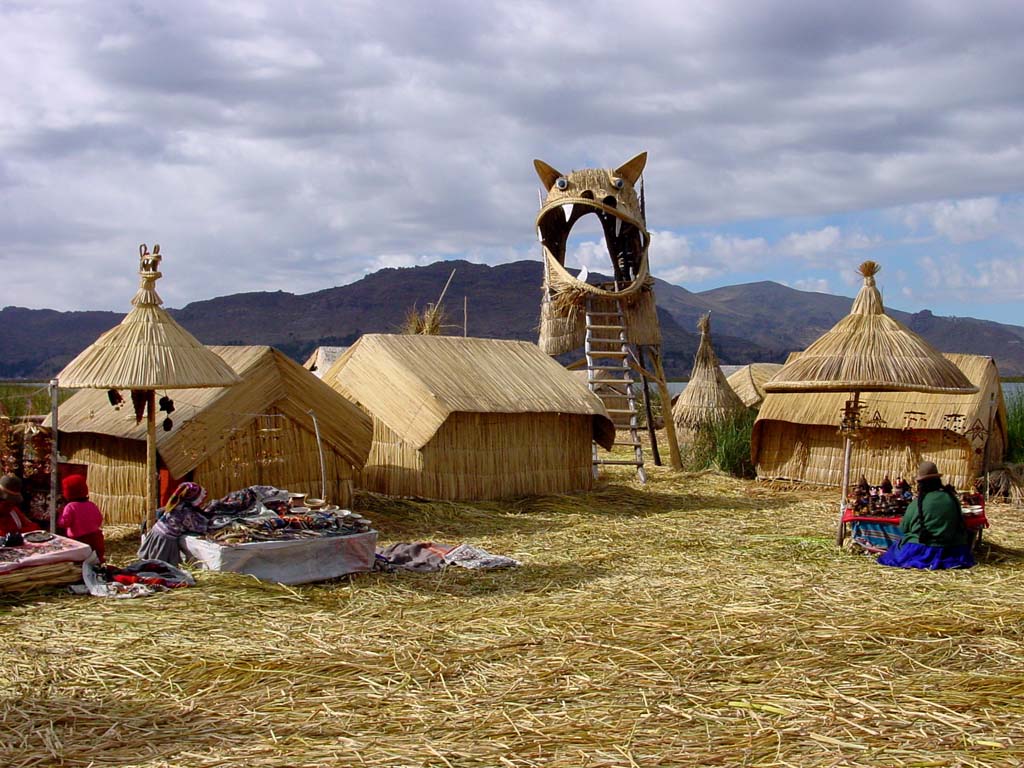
<point>708,399</point>
<point>697,621</point>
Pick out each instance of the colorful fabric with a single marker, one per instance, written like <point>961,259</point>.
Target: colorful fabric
<point>911,554</point>
<point>80,518</point>
<point>192,493</point>
<point>875,536</point>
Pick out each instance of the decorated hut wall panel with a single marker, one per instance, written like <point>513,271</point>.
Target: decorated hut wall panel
<point>796,435</point>
<point>257,432</point>
<point>458,418</point>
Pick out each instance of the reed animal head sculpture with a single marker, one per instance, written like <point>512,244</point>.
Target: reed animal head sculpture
<point>610,195</point>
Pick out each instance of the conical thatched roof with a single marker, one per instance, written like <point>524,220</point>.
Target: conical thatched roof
<point>868,351</point>
<point>748,382</point>
<point>708,398</point>
<point>148,350</point>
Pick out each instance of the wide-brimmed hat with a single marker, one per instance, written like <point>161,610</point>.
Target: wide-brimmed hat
<point>927,470</point>
<point>10,487</point>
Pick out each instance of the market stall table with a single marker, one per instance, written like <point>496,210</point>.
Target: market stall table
<point>43,559</point>
<point>287,561</point>
<point>877,533</point>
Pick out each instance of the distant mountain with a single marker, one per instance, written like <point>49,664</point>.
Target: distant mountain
<point>752,322</point>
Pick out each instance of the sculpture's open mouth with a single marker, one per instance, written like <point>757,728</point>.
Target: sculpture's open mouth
<point>624,236</point>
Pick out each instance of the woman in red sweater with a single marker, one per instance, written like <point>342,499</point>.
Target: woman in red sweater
<point>80,517</point>
<point>11,518</point>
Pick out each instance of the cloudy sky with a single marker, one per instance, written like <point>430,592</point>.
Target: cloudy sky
<point>297,146</point>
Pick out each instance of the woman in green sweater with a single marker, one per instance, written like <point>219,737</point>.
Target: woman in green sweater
<point>934,533</point>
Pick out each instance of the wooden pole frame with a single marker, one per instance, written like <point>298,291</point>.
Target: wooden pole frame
<point>152,475</point>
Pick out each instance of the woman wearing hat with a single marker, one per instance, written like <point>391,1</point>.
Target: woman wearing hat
<point>934,533</point>
<point>183,514</point>
<point>12,519</point>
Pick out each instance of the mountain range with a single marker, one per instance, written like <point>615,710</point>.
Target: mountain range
<point>751,322</point>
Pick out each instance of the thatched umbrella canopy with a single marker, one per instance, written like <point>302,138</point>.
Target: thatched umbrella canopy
<point>708,398</point>
<point>868,351</point>
<point>147,351</point>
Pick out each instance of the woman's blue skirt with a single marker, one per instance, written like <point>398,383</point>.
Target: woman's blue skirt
<point>910,554</point>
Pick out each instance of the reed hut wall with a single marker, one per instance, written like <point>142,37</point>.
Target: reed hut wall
<point>478,456</point>
<point>464,418</point>
<point>796,436</point>
<point>257,432</point>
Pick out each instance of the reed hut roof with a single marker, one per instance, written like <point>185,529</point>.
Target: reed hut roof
<point>322,358</point>
<point>204,418</point>
<point>897,410</point>
<point>708,398</point>
<point>413,383</point>
<point>747,381</point>
<point>148,349</point>
<point>868,351</point>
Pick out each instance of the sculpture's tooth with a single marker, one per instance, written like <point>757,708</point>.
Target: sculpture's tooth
<point>568,211</point>
<point>540,237</point>
<point>618,226</point>
<point>641,239</point>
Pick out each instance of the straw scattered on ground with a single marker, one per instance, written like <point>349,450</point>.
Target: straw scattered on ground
<point>697,620</point>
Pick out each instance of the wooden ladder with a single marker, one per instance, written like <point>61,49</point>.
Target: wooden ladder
<point>610,377</point>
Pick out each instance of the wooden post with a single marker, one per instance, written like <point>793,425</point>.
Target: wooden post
<point>666,411</point>
<point>651,431</point>
<point>847,455</point>
<point>152,479</point>
<point>54,453</point>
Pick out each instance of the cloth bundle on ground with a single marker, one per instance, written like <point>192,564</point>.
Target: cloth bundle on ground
<point>138,579</point>
<point>429,557</point>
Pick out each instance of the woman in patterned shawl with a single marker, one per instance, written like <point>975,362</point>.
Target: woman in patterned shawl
<point>183,515</point>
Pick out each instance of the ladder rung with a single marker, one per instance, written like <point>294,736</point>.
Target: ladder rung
<point>604,314</point>
<point>620,410</point>
<point>611,381</point>
<point>633,462</point>
<point>606,353</point>
<point>636,444</point>
<point>606,327</point>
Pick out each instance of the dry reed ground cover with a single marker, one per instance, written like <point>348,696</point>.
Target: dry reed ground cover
<point>698,621</point>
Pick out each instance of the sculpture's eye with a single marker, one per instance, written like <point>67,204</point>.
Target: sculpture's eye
<point>562,183</point>
<point>618,183</point>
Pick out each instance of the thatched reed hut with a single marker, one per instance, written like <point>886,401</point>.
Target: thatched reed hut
<point>796,435</point>
<point>708,398</point>
<point>470,419</point>
<point>322,358</point>
<point>748,382</point>
<point>259,431</point>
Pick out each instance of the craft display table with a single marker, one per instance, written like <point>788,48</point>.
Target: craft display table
<point>290,561</point>
<point>57,560</point>
<point>877,534</point>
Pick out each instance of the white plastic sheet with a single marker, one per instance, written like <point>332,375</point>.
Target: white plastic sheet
<point>295,561</point>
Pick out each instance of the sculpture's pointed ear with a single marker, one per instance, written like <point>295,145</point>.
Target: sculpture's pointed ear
<point>631,170</point>
<point>547,174</point>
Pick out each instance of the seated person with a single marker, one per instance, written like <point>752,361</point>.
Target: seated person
<point>934,533</point>
<point>80,517</point>
<point>183,514</point>
<point>12,519</point>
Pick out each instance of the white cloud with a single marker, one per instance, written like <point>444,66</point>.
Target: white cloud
<point>959,221</point>
<point>814,284</point>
